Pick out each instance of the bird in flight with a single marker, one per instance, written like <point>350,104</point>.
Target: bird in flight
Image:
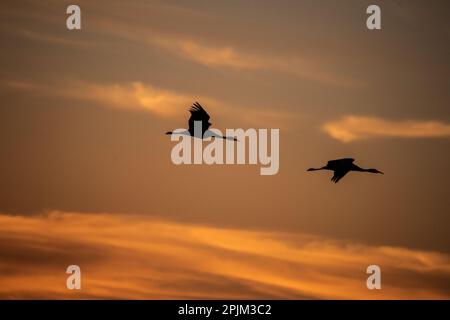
<point>341,167</point>
<point>200,116</point>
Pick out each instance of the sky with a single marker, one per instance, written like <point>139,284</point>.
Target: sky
<point>87,176</point>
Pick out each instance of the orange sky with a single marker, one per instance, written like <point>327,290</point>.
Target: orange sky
<point>82,124</point>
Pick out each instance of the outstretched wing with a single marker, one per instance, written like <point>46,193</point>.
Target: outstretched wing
<point>338,175</point>
<point>340,162</point>
<point>198,114</point>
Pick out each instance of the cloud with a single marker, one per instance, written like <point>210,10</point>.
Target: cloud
<point>136,95</point>
<point>53,39</point>
<point>132,95</point>
<point>227,55</point>
<point>139,257</point>
<point>230,57</point>
<point>161,102</point>
<point>352,128</point>
<point>207,55</point>
<point>120,25</point>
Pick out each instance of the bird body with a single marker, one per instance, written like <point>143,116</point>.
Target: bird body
<point>199,118</point>
<point>198,114</point>
<point>341,167</point>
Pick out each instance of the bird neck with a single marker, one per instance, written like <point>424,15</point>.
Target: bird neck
<point>356,168</point>
<point>316,169</point>
<point>179,132</point>
<point>363,169</point>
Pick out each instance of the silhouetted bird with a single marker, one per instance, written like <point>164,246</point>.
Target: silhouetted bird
<point>198,114</point>
<point>341,167</point>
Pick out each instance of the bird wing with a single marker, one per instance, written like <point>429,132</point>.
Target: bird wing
<point>338,175</point>
<point>198,114</point>
<point>340,162</point>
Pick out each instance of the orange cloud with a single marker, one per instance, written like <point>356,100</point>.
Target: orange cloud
<point>230,57</point>
<point>143,258</point>
<point>227,56</point>
<point>352,128</point>
<point>144,97</point>
<point>132,96</point>
<point>208,55</point>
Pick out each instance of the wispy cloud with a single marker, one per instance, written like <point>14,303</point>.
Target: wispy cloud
<point>135,95</point>
<point>144,97</point>
<point>204,50</point>
<point>139,257</point>
<point>208,55</point>
<point>53,39</point>
<point>226,55</point>
<point>233,58</point>
<point>351,128</point>
<point>131,95</point>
